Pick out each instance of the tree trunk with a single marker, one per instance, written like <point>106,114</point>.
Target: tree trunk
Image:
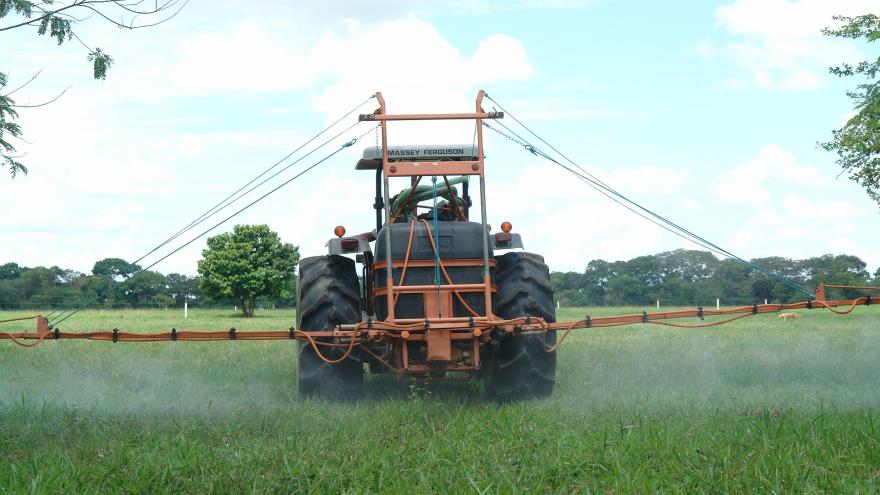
<point>247,307</point>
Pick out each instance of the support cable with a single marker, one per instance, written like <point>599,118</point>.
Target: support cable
<point>196,223</point>
<point>221,222</point>
<point>612,198</point>
<point>214,209</point>
<point>599,185</point>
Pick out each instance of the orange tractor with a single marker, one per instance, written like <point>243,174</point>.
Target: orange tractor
<point>434,281</point>
<point>434,299</point>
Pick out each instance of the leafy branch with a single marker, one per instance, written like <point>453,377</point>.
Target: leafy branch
<point>57,20</point>
<point>857,143</point>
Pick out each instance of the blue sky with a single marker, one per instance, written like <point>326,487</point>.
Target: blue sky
<point>708,112</point>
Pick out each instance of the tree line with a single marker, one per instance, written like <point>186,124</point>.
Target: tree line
<point>249,267</point>
<point>691,278</point>
<point>109,285</point>
<point>676,278</point>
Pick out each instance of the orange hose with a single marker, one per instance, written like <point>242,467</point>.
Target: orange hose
<point>846,311</point>
<point>325,359</point>
<point>20,319</point>
<point>699,325</point>
<point>859,287</point>
<point>376,329</point>
<point>405,201</point>
<point>412,229</point>
<point>443,269</point>
<point>27,344</point>
<point>458,211</point>
<point>561,339</point>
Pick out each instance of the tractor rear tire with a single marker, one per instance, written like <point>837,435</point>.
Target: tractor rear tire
<point>327,294</point>
<point>519,367</point>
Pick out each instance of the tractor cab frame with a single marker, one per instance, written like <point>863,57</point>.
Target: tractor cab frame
<point>446,304</point>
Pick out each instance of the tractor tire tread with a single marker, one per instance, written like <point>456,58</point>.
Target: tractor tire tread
<point>521,368</point>
<point>327,295</point>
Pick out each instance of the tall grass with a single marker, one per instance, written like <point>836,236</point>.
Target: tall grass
<point>758,405</point>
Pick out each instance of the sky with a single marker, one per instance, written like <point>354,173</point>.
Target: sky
<point>706,112</point>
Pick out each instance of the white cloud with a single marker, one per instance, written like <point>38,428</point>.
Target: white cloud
<point>648,180</point>
<point>426,73</point>
<point>251,58</point>
<point>95,170</point>
<point>779,42</point>
<point>561,114</point>
<point>705,49</point>
<point>690,204</point>
<point>731,84</point>
<point>109,219</point>
<point>569,223</point>
<point>499,57</point>
<point>746,184</point>
<point>804,227</point>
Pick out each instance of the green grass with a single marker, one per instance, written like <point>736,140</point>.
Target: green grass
<point>759,405</point>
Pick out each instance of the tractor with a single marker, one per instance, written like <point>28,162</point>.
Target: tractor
<point>435,279</point>
<point>434,297</point>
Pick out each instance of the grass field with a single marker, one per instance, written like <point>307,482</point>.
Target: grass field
<point>759,405</point>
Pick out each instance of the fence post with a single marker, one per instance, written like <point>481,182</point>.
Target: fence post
<point>185,309</point>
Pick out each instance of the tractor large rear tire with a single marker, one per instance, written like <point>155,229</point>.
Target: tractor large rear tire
<point>327,295</point>
<point>519,367</point>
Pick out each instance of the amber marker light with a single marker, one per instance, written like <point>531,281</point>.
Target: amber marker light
<point>339,231</point>
<point>505,226</point>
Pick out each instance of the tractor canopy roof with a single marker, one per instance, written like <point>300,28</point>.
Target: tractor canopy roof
<point>372,157</point>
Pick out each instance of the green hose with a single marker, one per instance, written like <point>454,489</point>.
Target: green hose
<point>422,193</point>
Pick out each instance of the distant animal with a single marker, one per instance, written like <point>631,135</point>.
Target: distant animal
<point>786,316</point>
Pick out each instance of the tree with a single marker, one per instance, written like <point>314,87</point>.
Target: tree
<point>115,268</point>
<point>626,290</point>
<point>182,288</point>
<point>144,288</point>
<point>688,265</point>
<point>248,263</point>
<point>762,289</point>
<point>58,19</point>
<point>9,297</point>
<point>10,271</point>
<point>857,143</point>
<point>110,270</point>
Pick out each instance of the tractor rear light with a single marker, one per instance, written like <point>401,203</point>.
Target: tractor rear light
<point>503,237</point>
<point>350,244</point>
